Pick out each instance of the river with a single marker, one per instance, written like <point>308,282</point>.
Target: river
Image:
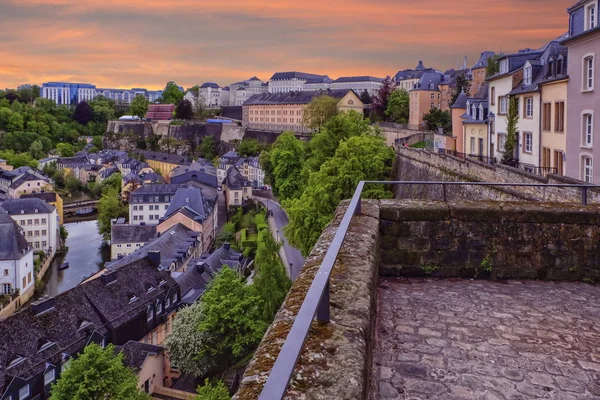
<point>85,258</point>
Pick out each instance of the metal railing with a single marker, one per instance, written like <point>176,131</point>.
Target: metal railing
<point>316,301</point>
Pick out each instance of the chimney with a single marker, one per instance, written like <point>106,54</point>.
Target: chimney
<point>108,278</point>
<point>42,305</point>
<point>226,246</point>
<point>154,257</point>
<point>200,267</point>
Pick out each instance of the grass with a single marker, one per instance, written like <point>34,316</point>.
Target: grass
<point>419,145</point>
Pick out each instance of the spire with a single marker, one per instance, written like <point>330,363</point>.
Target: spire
<point>420,66</point>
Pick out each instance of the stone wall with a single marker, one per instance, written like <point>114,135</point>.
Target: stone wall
<point>335,361</point>
<point>422,165</point>
<point>490,240</point>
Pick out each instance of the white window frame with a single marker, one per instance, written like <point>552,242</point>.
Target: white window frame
<point>503,106</point>
<point>24,392</point>
<point>49,376</point>
<point>528,142</point>
<point>503,67</point>
<point>591,17</point>
<point>473,145</point>
<point>529,107</point>
<point>527,73</point>
<point>587,129</point>
<point>587,171</point>
<point>589,61</point>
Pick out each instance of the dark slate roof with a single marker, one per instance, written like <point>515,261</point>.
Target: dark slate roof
<point>13,244</point>
<point>73,160</point>
<point>540,66</point>
<point>201,271</point>
<point>468,119</point>
<point>232,112</point>
<point>153,177</point>
<point>92,167</point>
<point>27,177</point>
<point>430,81</point>
<point>189,198</point>
<point>209,85</point>
<point>48,197</point>
<point>293,97</point>
<point>112,292</point>
<point>164,188</point>
<point>235,180</point>
<point>358,79</point>
<point>165,157</point>
<point>135,353</point>
<point>516,61</point>
<point>131,233</point>
<point>310,78</point>
<point>483,92</point>
<point>26,206</point>
<point>483,60</point>
<point>461,101</point>
<point>68,325</point>
<point>254,78</point>
<point>172,245</point>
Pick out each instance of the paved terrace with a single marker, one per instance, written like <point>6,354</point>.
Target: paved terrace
<point>474,339</point>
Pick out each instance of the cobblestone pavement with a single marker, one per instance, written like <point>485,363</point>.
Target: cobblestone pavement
<point>486,340</point>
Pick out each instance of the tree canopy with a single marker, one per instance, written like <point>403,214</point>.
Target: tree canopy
<point>287,157</point>
<point>250,147</point>
<point>398,106</point>
<point>184,110</point>
<point>139,106</point>
<point>97,374</point>
<point>319,111</point>
<point>83,113</point>
<point>172,94</point>
<point>380,100</point>
<point>110,206</point>
<point>462,84</point>
<point>437,118</point>
<point>213,391</point>
<point>365,97</point>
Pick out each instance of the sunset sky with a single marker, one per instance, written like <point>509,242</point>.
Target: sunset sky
<point>145,43</point>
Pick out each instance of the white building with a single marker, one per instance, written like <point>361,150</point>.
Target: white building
<point>16,258</point>
<point>239,92</point>
<point>73,93</point>
<point>359,84</point>
<point>150,202</point>
<point>249,167</point>
<point>283,82</point>
<point>38,220</point>
<point>126,239</point>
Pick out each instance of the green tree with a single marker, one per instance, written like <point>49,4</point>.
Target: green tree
<point>37,149</point>
<point>184,110</point>
<point>365,97</point>
<point>15,122</point>
<point>97,142</point>
<point>97,374</point>
<point>139,106</point>
<point>398,106</point>
<point>271,283</point>
<point>172,94</point>
<point>318,111</point>
<point>437,118</point>
<point>463,84</point>
<point>380,100</point>
<point>109,208</point>
<point>493,67</point>
<point>287,158</point>
<point>213,391</point>
<point>250,147</point>
<point>365,157</point>
<point>228,234</point>
<point>65,150</point>
<point>83,113</point>
<point>267,167</point>
<point>512,119</point>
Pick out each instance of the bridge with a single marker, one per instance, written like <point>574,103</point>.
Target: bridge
<point>72,208</point>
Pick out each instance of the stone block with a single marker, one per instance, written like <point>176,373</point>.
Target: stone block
<point>476,211</point>
<point>411,210</point>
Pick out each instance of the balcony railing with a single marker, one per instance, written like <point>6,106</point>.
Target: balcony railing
<point>316,301</point>
<point>544,171</point>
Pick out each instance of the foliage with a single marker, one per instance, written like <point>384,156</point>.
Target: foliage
<point>18,159</point>
<point>486,264</point>
<point>429,269</point>
<point>172,94</point>
<point>139,106</point>
<point>213,391</point>
<point>380,100</point>
<point>83,113</point>
<point>109,207</point>
<point>398,106</point>
<point>228,234</point>
<point>64,233</point>
<point>319,111</point>
<point>271,283</point>
<point>287,156</point>
<point>184,110</point>
<point>250,147</point>
<point>65,150</point>
<point>97,142</point>
<point>358,158</point>
<point>208,148</point>
<point>463,84</point>
<point>365,97</point>
<point>437,118</point>
<point>267,167</point>
<point>512,120</point>
<point>97,374</point>
<point>493,67</point>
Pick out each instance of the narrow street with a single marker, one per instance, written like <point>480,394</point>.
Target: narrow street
<point>292,256</point>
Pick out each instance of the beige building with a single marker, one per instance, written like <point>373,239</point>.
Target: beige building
<point>554,118</point>
<point>284,111</point>
<point>126,239</point>
<point>426,95</point>
<point>149,363</point>
<point>236,187</point>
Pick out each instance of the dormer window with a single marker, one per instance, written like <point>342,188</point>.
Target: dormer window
<point>468,109</point>
<point>162,282</point>
<point>158,307</point>
<point>132,298</point>
<point>592,20</point>
<point>549,72</point>
<point>527,75</point>
<point>150,314</point>
<point>504,66</point>
<point>16,361</point>
<point>45,345</point>
<point>480,113</point>
<point>559,66</point>
<point>84,324</point>
<point>150,288</point>
<point>474,112</point>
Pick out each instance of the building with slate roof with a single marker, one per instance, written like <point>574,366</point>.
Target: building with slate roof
<point>51,198</point>
<point>147,361</point>
<point>16,259</point>
<point>426,94</point>
<point>583,91</point>
<point>200,173</point>
<point>358,83</point>
<point>119,306</point>
<point>285,82</point>
<point>478,71</point>
<point>148,203</point>
<point>284,111</point>
<point>241,91</point>
<point>191,208</point>
<point>408,78</point>
<point>236,187</point>
<point>125,238</point>
<point>163,162</point>
<point>38,220</point>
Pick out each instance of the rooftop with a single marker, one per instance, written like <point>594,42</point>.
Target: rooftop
<point>123,233</point>
<point>26,206</point>
<point>13,245</point>
<point>293,97</point>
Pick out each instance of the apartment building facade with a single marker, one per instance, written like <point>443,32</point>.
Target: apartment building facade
<point>285,82</point>
<point>37,219</point>
<point>149,203</point>
<point>358,83</point>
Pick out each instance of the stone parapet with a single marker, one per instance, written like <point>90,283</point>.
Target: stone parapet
<point>335,360</point>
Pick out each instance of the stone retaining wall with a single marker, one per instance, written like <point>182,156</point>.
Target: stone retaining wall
<point>490,240</point>
<point>423,165</point>
<point>336,358</point>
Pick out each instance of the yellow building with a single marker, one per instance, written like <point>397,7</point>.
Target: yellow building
<point>476,141</point>
<point>50,198</point>
<point>554,118</point>
<point>427,95</point>
<point>285,111</point>
<point>163,163</point>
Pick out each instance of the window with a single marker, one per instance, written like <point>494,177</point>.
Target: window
<point>49,377</point>
<point>472,145</point>
<point>558,162</point>
<point>37,233</point>
<point>432,96</point>
<point>158,307</point>
<point>503,109</point>
<point>43,221</point>
<point>591,12</point>
<point>588,73</point>
<point>529,107</point>
<point>44,243</point>
<point>149,314</point>
<point>527,75</point>
<point>432,105</point>
<point>586,173</point>
<point>6,288</point>
<point>546,117</point>
<point>166,206</point>
<point>36,221</point>
<point>504,66</point>
<point>167,303</point>
<point>141,208</point>
<point>29,234</point>
<point>29,222</point>
<point>134,208</point>
<point>493,96</point>
<point>559,116</point>
<point>43,232</point>
<point>501,141</point>
<point>527,142</point>
<point>174,298</point>
<point>24,392</point>
<point>587,130</point>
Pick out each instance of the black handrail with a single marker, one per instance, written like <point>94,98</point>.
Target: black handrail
<point>316,301</point>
